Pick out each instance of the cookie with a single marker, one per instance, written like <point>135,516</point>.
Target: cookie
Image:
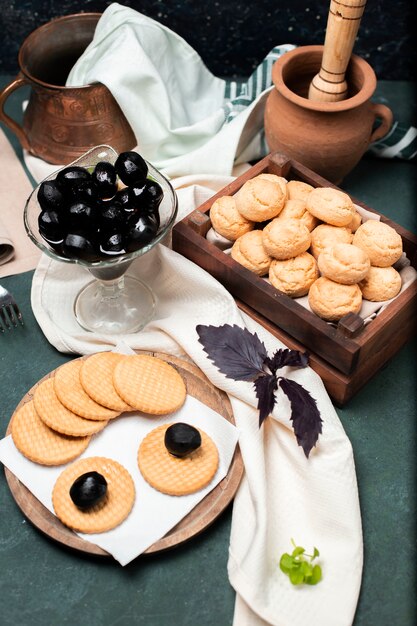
<point>71,393</point>
<point>55,415</point>
<point>172,475</point>
<point>109,513</point>
<point>39,443</point>
<point>344,263</point>
<point>259,199</point>
<point>294,276</point>
<point>285,239</point>
<point>148,384</point>
<point>380,241</point>
<point>296,209</point>
<point>96,378</point>
<point>331,301</point>
<point>282,182</point>
<point>297,190</point>
<point>325,235</point>
<point>226,219</point>
<point>249,251</point>
<point>331,206</point>
<point>381,283</point>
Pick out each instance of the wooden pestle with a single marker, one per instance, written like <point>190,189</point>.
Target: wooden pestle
<point>330,85</point>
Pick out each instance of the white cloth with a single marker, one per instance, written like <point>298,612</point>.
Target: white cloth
<point>282,494</point>
<point>178,110</point>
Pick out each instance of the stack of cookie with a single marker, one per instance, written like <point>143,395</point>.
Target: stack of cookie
<point>309,241</point>
<point>77,402</point>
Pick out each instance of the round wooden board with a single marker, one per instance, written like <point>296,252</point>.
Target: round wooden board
<point>192,524</point>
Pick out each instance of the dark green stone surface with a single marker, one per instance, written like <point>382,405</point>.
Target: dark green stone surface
<point>43,583</point>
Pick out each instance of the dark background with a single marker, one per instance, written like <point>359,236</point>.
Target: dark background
<point>233,36</point>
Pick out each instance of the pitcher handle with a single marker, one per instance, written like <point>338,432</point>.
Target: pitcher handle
<point>17,82</point>
<point>385,114</point>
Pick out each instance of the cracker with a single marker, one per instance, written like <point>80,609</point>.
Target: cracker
<point>55,415</point>
<point>39,443</point>
<point>173,475</point>
<point>70,392</point>
<point>107,514</point>
<point>149,384</point>
<point>96,377</point>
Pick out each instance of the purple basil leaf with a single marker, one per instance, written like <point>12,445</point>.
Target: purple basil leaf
<point>265,387</point>
<point>305,415</point>
<point>283,357</point>
<point>236,352</point>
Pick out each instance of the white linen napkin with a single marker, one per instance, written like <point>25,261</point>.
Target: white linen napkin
<point>183,116</point>
<point>283,495</point>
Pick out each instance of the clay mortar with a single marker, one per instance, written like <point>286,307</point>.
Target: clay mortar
<point>328,137</point>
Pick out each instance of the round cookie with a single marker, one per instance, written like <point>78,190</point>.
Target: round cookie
<point>259,199</point>
<point>295,276</point>
<point>285,239</point>
<point>297,190</point>
<point>226,219</point>
<point>380,241</point>
<point>71,393</point>
<point>148,384</point>
<point>55,415</point>
<point>104,516</point>
<point>296,209</point>
<point>282,182</point>
<point>331,301</point>
<point>331,206</point>
<point>249,251</point>
<point>96,377</point>
<point>344,263</point>
<point>173,475</point>
<point>325,235</point>
<point>39,443</point>
<point>381,283</point>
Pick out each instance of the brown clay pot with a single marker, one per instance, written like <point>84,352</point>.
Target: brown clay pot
<point>328,137</point>
<point>61,123</point>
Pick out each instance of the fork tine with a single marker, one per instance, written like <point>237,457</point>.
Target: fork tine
<point>10,315</point>
<point>3,318</point>
<point>18,313</point>
<point>10,312</point>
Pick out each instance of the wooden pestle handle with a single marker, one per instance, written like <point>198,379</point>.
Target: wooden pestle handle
<point>329,85</point>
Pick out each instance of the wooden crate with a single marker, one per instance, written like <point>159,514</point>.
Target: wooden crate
<point>346,356</point>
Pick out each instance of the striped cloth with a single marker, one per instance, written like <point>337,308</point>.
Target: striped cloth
<point>400,142</point>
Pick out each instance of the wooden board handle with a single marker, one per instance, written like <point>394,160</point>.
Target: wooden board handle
<point>329,85</point>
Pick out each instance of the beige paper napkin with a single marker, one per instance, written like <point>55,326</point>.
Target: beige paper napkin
<point>17,253</point>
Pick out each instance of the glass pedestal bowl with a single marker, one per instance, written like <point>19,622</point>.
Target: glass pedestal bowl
<point>113,302</point>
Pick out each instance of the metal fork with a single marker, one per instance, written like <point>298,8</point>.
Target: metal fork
<point>10,314</point>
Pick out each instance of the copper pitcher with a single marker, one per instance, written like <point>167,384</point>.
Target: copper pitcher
<point>61,123</point>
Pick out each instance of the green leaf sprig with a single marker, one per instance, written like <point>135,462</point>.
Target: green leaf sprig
<point>298,568</point>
